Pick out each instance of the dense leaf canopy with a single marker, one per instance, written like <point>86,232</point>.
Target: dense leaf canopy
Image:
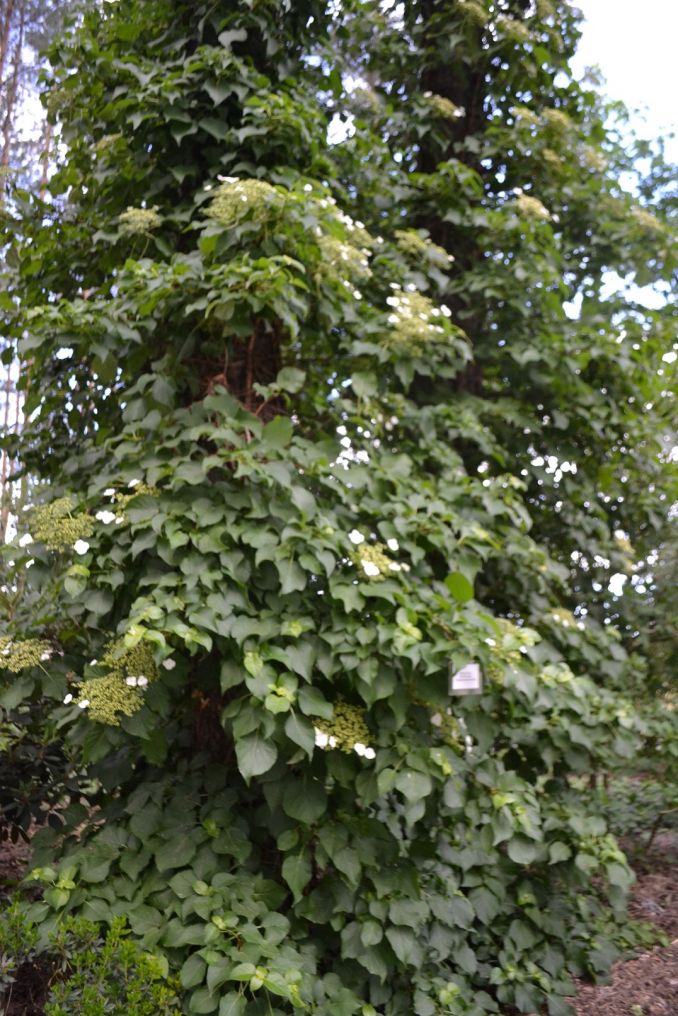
<point>313,426</point>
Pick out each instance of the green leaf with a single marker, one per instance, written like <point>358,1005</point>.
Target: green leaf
<point>405,945</point>
<point>460,587</point>
<point>521,850</point>
<point>301,732</point>
<point>232,1004</point>
<point>255,755</point>
<point>277,434</point>
<point>193,971</point>
<point>304,800</point>
<point>291,379</point>
<point>176,853</point>
<point>559,852</point>
<point>296,871</point>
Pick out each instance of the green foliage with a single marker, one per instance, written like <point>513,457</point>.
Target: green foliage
<point>321,467</point>
<point>88,974</point>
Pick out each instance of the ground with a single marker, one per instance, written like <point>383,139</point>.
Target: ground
<point>644,986</point>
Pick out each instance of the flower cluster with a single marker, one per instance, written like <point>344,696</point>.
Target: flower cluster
<point>108,696</point>
<point>415,320</point>
<point>20,654</point>
<point>236,199</point>
<point>366,99</point>
<point>531,208</point>
<point>556,119</point>
<point>341,259</point>
<point>136,221</point>
<point>346,731</point>
<point>594,159</point>
<point>107,142</point>
<point>647,221</point>
<point>374,563</point>
<point>372,560</point>
<point>118,690</point>
<point>507,650</point>
<point>525,114</point>
<point>122,500</point>
<point>419,248</point>
<point>513,29</point>
<point>474,11</point>
<point>444,107</point>
<point>550,156</point>
<point>55,526</point>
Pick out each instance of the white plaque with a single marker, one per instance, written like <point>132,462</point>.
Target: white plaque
<point>467,681</point>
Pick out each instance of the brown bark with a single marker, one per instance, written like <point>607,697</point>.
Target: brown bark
<point>13,88</point>
<point>6,14</point>
<point>252,361</point>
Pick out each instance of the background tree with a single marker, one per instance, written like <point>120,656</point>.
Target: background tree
<point>285,450</point>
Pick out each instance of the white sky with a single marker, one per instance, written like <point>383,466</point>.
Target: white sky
<point>634,44</point>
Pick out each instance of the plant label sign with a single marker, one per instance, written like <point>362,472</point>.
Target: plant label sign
<point>467,681</point>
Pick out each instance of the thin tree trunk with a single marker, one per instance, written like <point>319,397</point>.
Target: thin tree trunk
<point>13,89</point>
<point>5,31</point>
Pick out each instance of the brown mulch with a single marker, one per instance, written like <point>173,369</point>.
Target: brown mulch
<point>648,984</point>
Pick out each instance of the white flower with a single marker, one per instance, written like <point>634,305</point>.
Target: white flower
<point>46,655</point>
<point>392,544</point>
<point>119,519</point>
<point>81,546</point>
<point>371,569</point>
<point>134,483</point>
<point>394,566</point>
<point>105,517</point>
<point>308,188</point>
<point>68,699</point>
<point>321,739</point>
<point>83,704</point>
<point>356,537</point>
<point>30,562</point>
<point>370,753</point>
<point>109,492</point>
<point>131,682</point>
<point>333,742</point>
<point>169,664</point>
<point>26,540</point>
<point>228,179</point>
<point>142,681</point>
<point>359,748</point>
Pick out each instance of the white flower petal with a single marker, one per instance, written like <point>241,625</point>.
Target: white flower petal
<point>81,546</point>
<point>131,682</point>
<point>393,544</point>
<point>371,569</point>
<point>83,704</point>
<point>142,681</point>
<point>106,517</point>
<point>370,753</point>
<point>68,699</point>
<point>169,664</point>
<point>359,748</point>
<point>356,537</point>
<point>26,540</point>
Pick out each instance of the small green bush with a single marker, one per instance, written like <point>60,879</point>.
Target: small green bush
<point>91,973</point>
